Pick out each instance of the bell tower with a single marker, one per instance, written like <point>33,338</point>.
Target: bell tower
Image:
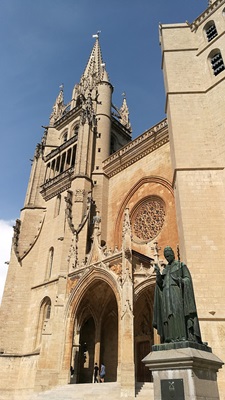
<point>66,190</point>
<point>78,139</point>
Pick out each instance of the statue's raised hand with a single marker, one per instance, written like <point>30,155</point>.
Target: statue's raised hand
<point>156,269</point>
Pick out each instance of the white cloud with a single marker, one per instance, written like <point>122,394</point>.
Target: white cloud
<point>6,233</point>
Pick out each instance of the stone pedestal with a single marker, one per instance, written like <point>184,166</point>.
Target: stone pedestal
<point>184,371</point>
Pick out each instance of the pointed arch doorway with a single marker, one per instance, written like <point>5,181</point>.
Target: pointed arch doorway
<point>95,337</point>
<point>143,332</point>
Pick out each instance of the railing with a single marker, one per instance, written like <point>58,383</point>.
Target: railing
<point>59,149</point>
<point>56,179</point>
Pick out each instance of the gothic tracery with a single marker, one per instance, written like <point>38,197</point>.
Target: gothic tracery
<point>149,219</point>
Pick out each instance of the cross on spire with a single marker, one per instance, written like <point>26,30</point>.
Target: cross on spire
<point>96,35</point>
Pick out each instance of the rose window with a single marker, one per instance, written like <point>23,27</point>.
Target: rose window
<point>148,219</point>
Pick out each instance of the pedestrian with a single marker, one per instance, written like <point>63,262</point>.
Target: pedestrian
<point>71,371</point>
<point>96,369</point>
<point>102,373</point>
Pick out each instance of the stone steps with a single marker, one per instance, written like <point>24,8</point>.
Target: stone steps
<point>144,391</point>
<point>82,391</point>
<point>96,391</point>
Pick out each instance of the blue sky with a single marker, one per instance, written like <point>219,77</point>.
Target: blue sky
<point>45,43</point>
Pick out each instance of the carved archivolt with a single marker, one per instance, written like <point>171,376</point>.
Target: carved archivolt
<point>87,278</point>
<point>148,219</point>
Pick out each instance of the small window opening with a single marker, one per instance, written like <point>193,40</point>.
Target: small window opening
<point>57,205</point>
<point>50,263</point>
<point>76,129</point>
<point>211,31</point>
<point>217,63</point>
<point>64,138</point>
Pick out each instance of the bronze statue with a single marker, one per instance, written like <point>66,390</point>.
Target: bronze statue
<point>175,314</point>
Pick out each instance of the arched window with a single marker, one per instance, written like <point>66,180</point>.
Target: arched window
<point>49,263</point>
<point>64,136</point>
<point>44,316</point>
<point>210,30</point>
<point>216,61</point>
<point>75,130</point>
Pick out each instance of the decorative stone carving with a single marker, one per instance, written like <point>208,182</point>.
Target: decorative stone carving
<point>87,113</point>
<point>57,110</point>
<point>117,268</point>
<point>16,236</point>
<point>124,115</point>
<point>68,200</point>
<point>79,196</point>
<point>148,219</point>
<point>38,151</point>
<point>127,235</point>
<point>24,241</point>
<point>69,205</point>
<point>44,138</point>
<point>73,254</point>
<point>127,309</point>
<point>96,219</point>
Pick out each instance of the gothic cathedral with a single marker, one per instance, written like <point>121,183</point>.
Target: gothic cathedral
<point>99,209</point>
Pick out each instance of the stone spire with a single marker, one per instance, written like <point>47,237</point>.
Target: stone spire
<point>95,67</point>
<point>93,74</point>
<point>58,107</point>
<point>124,114</point>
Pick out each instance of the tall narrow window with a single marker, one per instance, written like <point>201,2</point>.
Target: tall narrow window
<point>68,158</point>
<point>64,137</point>
<point>211,31</point>
<point>50,263</point>
<point>73,156</point>
<point>44,316</point>
<point>75,130</point>
<point>57,165</point>
<point>62,165</point>
<point>217,62</point>
<point>52,173</point>
<point>57,205</point>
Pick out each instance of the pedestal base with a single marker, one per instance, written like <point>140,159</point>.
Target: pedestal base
<point>186,372</point>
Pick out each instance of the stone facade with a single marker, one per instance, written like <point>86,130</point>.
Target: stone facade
<point>98,212</point>
<point>195,85</point>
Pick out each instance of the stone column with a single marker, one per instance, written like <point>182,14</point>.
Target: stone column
<point>97,344</point>
<point>127,315</point>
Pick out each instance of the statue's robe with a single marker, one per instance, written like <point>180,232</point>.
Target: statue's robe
<point>175,314</point>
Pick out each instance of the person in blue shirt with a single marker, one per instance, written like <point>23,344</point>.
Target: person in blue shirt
<point>102,373</point>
